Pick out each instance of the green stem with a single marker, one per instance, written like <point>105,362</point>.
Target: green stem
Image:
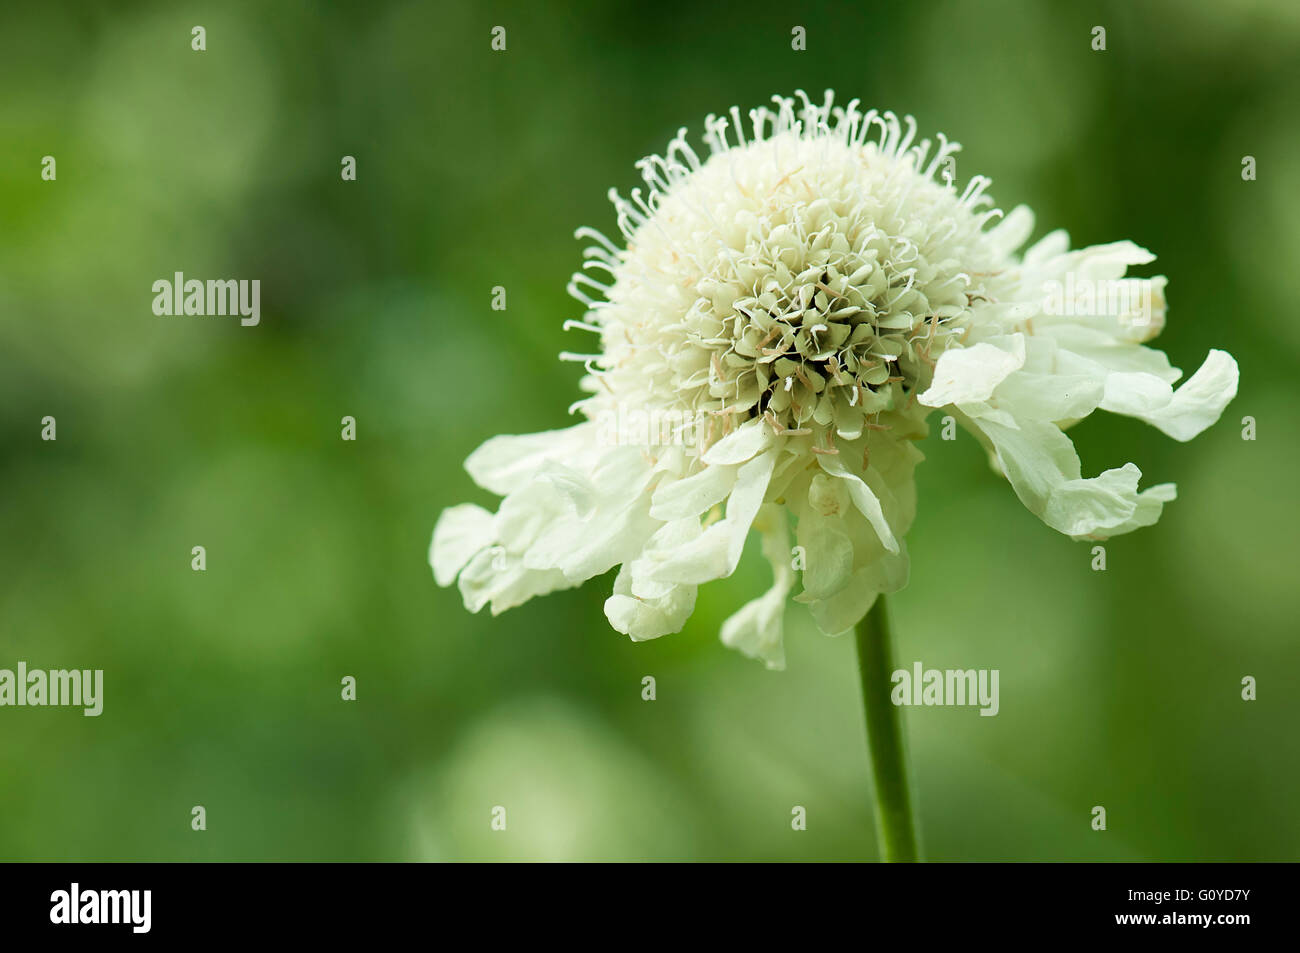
<point>895,828</point>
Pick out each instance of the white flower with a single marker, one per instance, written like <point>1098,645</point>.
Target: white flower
<point>795,305</point>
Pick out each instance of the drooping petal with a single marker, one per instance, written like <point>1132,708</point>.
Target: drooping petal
<point>1181,413</point>
<point>1044,470</point>
<point>756,629</point>
<point>644,619</point>
<point>643,608</point>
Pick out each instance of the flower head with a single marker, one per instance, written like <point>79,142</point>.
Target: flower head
<point>786,313</point>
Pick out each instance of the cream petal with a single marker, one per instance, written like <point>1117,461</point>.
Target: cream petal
<point>1012,232</point>
<point>1044,470</point>
<point>828,555</point>
<point>644,619</point>
<point>1136,394</point>
<point>1095,353</point>
<point>1109,261</point>
<point>1051,259</point>
<point>863,498</point>
<point>582,549</point>
<point>694,494</point>
<point>743,504</point>
<point>743,443</point>
<point>614,529</point>
<point>573,487</point>
<point>499,578</point>
<point>842,611</point>
<point>715,553</point>
<point>971,374</point>
<point>460,534</point>
<point>756,629</point>
<point>879,572</point>
<point>503,462</point>
<point>1050,246</point>
<point>668,538</point>
<point>1090,507</point>
<point>1050,397</point>
<point>1182,413</point>
<point>526,514</point>
<point>1150,502</point>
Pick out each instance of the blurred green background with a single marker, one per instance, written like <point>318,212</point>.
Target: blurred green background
<point>1118,688</point>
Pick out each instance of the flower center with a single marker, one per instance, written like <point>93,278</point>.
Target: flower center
<point>810,278</point>
<point>819,316</point>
